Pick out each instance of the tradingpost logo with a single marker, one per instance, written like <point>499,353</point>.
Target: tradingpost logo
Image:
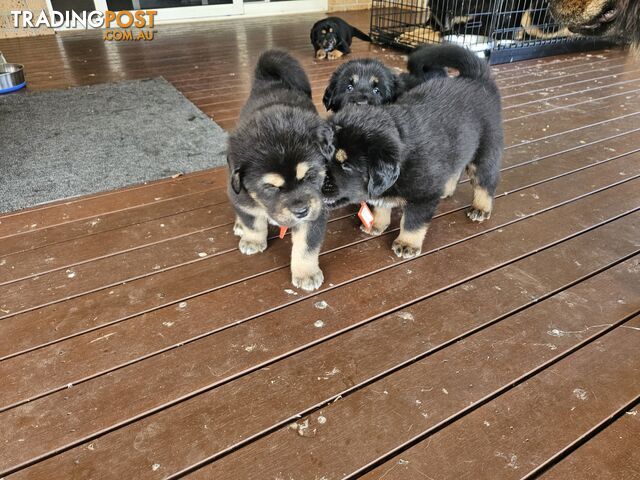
<point>118,25</point>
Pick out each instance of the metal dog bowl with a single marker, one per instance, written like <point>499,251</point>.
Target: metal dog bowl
<point>476,43</point>
<point>11,77</point>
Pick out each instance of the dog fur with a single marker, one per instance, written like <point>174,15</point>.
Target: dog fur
<point>331,38</point>
<point>277,157</point>
<point>411,153</point>
<point>603,18</point>
<point>475,17</point>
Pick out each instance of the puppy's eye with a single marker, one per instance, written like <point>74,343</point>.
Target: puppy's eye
<point>271,188</point>
<point>376,90</point>
<point>349,88</point>
<point>309,177</point>
<point>345,167</point>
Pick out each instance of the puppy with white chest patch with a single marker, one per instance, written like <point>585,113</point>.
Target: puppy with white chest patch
<point>411,153</point>
<point>277,159</point>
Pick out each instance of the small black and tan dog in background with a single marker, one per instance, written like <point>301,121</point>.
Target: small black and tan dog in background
<point>277,158</point>
<point>411,153</point>
<point>331,38</point>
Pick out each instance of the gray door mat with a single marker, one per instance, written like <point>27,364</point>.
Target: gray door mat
<point>63,143</point>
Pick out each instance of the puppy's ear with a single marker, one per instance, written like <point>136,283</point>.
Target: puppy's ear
<point>236,180</point>
<point>329,97</point>
<point>324,137</point>
<point>384,165</point>
<point>382,175</point>
<point>397,88</point>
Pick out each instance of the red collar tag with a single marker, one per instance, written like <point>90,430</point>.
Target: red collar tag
<point>283,231</point>
<point>365,216</point>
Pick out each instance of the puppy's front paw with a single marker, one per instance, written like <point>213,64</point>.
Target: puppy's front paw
<point>309,282</point>
<point>375,230</point>
<point>334,54</point>
<point>478,215</point>
<point>404,250</point>
<point>237,229</point>
<point>250,247</point>
<point>321,54</point>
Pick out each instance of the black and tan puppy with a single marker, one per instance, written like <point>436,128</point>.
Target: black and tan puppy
<point>605,18</point>
<point>364,81</point>
<point>367,81</point>
<point>331,38</point>
<point>277,158</point>
<point>411,153</point>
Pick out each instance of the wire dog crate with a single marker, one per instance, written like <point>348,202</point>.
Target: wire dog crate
<point>501,30</point>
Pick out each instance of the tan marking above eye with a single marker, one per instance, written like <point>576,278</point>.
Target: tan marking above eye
<point>324,32</point>
<point>301,170</point>
<point>593,8</point>
<point>331,30</point>
<point>355,79</point>
<point>274,179</point>
<point>374,80</point>
<point>341,155</point>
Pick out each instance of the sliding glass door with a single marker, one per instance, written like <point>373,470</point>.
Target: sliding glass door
<point>186,10</point>
<point>176,9</point>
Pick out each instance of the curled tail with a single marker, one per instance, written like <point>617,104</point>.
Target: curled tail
<point>359,34</point>
<point>278,65</point>
<point>428,58</point>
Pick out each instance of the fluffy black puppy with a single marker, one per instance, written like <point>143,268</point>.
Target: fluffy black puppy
<point>331,37</point>
<point>277,157</point>
<point>367,81</point>
<point>411,153</point>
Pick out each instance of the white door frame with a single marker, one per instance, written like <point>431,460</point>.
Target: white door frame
<point>257,9</point>
<point>178,14</point>
<point>210,12</point>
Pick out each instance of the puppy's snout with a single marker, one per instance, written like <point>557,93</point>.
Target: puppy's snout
<point>300,211</point>
<point>359,100</point>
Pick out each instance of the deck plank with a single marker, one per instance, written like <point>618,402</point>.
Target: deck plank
<point>64,211</point>
<point>111,220</point>
<point>612,453</point>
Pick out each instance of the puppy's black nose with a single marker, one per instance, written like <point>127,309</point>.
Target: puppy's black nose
<point>359,100</point>
<point>328,187</point>
<point>300,212</point>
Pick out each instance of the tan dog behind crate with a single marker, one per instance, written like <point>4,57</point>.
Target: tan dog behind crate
<point>420,35</point>
<point>530,28</point>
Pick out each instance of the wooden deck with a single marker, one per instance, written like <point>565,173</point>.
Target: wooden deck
<point>136,342</point>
